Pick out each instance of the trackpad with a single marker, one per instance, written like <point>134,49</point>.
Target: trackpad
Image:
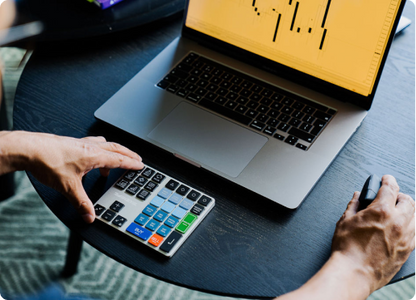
<point>207,139</point>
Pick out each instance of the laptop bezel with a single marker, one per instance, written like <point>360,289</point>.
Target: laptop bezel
<point>288,73</point>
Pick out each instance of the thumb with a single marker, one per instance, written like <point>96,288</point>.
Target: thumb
<point>82,203</point>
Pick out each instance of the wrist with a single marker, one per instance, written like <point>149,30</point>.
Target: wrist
<point>358,279</point>
<point>13,152</point>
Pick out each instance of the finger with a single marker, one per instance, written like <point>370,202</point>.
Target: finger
<point>111,160</point>
<point>388,192</point>
<point>98,139</point>
<point>406,205</point>
<point>352,207</point>
<point>82,203</point>
<point>117,148</point>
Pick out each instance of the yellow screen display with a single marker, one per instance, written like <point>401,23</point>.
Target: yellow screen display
<point>339,41</point>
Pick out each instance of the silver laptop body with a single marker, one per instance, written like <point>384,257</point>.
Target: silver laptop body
<point>239,153</point>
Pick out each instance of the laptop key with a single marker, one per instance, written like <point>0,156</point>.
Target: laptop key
<point>269,130</point>
<point>301,146</point>
<point>194,97</point>
<point>321,115</point>
<point>243,119</point>
<point>291,140</point>
<point>163,84</point>
<point>318,125</point>
<point>182,93</point>
<point>257,125</point>
<point>302,135</point>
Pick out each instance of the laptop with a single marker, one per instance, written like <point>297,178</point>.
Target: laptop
<point>262,93</point>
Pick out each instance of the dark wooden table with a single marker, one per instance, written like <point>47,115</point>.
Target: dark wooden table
<point>247,246</point>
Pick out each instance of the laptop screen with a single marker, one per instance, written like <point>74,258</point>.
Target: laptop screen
<point>340,42</point>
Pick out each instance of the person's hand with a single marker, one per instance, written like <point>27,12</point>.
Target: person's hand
<point>61,162</point>
<point>378,239</point>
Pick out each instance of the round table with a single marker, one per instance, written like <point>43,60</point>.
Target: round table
<point>247,246</point>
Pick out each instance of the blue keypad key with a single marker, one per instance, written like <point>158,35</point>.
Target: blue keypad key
<point>167,207</point>
<point>160,216</point>
<point>141,219</point>
<point>149,210</point>
<point>186,204</point>
<point>171,221</point>
<point>163,231</point>
<point>157,201</point>
<point>179,212</point>
<point>175,198</point>
<point>152,225</point>
<point>164,193</point>
<point>139,231</point>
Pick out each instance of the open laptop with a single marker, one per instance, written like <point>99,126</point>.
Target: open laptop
<point>262,93</point>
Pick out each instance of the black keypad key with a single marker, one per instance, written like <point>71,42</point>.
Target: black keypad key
<point>108,215</point>
<point>171,241</point>
<point>133,189</point>
<point>172,184</point>
<point>140,181</point>
<point>150,186</point>
<point>143,194</point>
<point>197,209</point>
<point>148,173</point>
<point>99,209</point>
<point>117,206</point>
<point>122,184</point>
<point>119,221</point>
<point>204,200</point>
<point>158,178</point>
<point>182,190</point>
<point>130,175</point>
<point>193,195</point>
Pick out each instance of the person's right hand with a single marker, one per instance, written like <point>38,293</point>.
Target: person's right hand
<point>380,238</point>
<point>61,162</point>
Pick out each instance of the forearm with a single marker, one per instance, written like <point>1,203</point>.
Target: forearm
<point>13,154</point>
<point>340,278</point>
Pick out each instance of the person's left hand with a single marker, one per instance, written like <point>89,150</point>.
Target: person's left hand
<point>61,162</point>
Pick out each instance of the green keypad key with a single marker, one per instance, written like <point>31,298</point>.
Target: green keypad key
<point>186,223</point>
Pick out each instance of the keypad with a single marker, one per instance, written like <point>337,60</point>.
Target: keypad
<point>154,208</point>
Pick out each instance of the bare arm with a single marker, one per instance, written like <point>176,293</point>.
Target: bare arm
<point>368,248</point>
<point>61,162</point>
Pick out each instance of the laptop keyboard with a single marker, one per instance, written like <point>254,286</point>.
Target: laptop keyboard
<point>248,101</point>
<point>154,208</point>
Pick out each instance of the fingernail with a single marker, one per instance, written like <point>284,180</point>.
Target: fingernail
<point>88,218</point>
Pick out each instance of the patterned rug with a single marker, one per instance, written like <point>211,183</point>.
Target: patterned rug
<point>33,248</point>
